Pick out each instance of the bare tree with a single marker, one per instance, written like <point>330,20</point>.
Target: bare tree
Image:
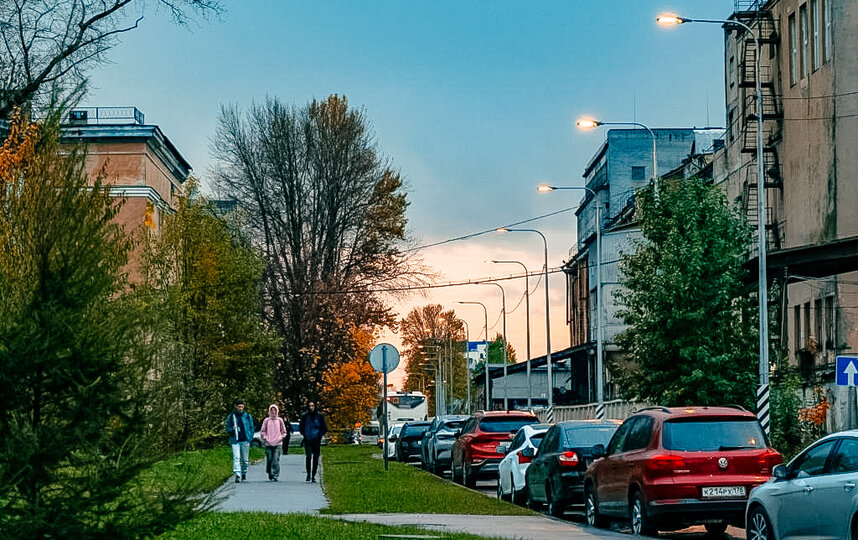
<point>46,46</point>
<point>329,214</point>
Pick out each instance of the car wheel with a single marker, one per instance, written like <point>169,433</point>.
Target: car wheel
<point>501,496</point>
<point>594,519</point>
<point>455,477</point>
<point>640,521</point>
<point>716,528</point>
<point>519,497</point>
<point>533,505</point>
<point>555,507</point>
<point>468,477</point>
<point>759,527</point>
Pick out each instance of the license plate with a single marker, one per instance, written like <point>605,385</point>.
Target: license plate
<point>724,492</point>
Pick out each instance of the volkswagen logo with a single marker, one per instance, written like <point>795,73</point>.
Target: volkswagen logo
<point>722,462</point>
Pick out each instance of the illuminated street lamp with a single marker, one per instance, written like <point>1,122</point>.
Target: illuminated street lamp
<point>671,19</point>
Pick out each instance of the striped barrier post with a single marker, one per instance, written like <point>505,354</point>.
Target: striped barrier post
<point>763,407</point>
<point>600,411</point>
<point>549,415</point>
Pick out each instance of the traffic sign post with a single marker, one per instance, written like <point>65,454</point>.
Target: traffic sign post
<point>847,375</point>
<point>384,358</point>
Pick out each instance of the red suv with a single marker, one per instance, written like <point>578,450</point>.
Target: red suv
<point>475,452</point>
<point>669,468</point>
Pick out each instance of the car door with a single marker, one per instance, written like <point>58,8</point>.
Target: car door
<point>632,460</point>
<point>836,491</point>
<point>798,506</point>
<point>610,476</point>
<point>509,461</point>
<point>538,470</point>
<point>458,455</point>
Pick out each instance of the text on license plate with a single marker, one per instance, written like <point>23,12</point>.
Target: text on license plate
<point>723,492</point>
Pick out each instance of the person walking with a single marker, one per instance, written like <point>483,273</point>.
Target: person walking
<point>239,427</point>
<point>313,427</point>
<point>273,431</point>
<point>288,438</point>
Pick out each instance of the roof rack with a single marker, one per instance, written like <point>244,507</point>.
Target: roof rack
<point>654,408</point>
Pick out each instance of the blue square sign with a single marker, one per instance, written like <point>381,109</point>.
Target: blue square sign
<point>847,371</point>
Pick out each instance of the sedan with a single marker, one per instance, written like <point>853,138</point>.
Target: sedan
<point>410,441</point>
<point>438,442</point>
<point>814,495</point>
<point>511,470</point>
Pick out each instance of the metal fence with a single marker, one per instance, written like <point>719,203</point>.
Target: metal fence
<point>618,409</point>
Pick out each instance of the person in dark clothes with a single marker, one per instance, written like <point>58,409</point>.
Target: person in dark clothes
<point>288,438</point>
<point>239,427</point>
<point>313,427</point>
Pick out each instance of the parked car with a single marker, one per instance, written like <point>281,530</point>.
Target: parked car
<point>815,495</point>
<point>555,477</point>
<point>438,442</point>
<point>410,440</point>
<point>392,435</point>
<point>369,432</point>
<point>511,469</point>
<point>475,453</point>
<point>669,468</point>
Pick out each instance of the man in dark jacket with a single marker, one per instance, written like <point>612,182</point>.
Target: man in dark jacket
<point>313,427</point>
<point>239,426</point>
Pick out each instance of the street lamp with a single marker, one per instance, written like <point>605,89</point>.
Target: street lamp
<point>547,316</point>
<point>486,327</point>
<point>503,311</point>
<point>527,318</point>
<point>590,123</point>
<point>600,395</point>
<point>467,363</point>
<point>763,390</point>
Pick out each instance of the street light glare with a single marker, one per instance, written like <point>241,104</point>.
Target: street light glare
<point>544,188</point>
<point>669,19</point>
<point>587,123</point>
<point>502,230</point>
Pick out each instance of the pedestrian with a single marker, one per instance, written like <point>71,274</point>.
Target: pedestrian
<point>273,431</point>
<point>239,427</point>
<point>313,427</point>
<point>288,438</point>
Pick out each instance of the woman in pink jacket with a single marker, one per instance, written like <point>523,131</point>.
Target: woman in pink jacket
<point>273,430</point>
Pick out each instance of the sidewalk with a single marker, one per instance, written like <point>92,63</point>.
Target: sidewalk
<point>291,494</point>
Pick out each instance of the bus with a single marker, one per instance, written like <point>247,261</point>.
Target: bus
<point>404,407</point>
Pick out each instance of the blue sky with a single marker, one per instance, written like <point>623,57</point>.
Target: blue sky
<point>474,101</point>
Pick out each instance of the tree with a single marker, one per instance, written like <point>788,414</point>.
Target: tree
<point>201,286</point>
<point>691,336</point>
<point>329,214</point>
<point>74,420</point>
<point>46,46</point>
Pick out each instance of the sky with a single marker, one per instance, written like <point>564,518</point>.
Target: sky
<point>473,101</point>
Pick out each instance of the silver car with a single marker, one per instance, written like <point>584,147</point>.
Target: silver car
<point>814,496</point>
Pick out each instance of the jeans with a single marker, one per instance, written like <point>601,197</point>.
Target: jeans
<point>272,461</point>
<point>313,449</point>
<point>240,457</point>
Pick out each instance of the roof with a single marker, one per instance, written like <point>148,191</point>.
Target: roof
<point>695,411</point>
<point>496,371</point>
<point>495,414</point>
<point>590,423</point>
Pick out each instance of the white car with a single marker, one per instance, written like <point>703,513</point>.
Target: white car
<point>391,440</point>
<point>511,477</point>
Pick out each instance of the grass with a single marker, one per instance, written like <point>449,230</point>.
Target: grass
<point>261,526</point>
<point>207,469</point>
<point>357,483</point>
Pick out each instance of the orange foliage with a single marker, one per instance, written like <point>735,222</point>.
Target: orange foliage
<point>816,414</point>
<point>18,148</point>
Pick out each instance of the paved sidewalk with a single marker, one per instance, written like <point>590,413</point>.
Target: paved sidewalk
<point>513,527</point>
<point>290,494</point>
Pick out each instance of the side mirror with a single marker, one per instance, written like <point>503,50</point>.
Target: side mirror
<point>780,472</point>
<point>598,451</point>
<point>528,452</point>
<point>502,448</point>
<point>458,433</point>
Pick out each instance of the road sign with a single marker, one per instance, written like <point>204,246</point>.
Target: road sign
<point>382,352</point>
<point>847,371</point>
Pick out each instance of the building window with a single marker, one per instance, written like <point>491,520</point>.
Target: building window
<point>796,321</point>
<point>805,325</point>
<point>731,74</point>
<point>805,40</point>
<point>830,324</point>
<point>793,51</point>
<point>818,326</point>
<point>826,29</point>
<point>730,114</point>
<point>814,25</point>
<point>638,173</point>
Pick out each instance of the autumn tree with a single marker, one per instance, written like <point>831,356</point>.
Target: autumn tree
<point>47,46</point>
<point>690,336</point>
<point>201,284</point>
<point>74,419</point>
<point>328,212</point>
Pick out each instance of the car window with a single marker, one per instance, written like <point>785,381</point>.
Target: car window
<point>846,458</point>
<point>639,434</point>
<point>452,425</point>
<point>505,424</point>
<point>369,430</point>
<point>470,426</point>
<point>536,440</point>
<point>549,442</point>
<point>812,462</point>
<point>518,440</point>
<point>712,435</point>
<point>412,430</point>
<point>580,437</point>
<point>619,437</point>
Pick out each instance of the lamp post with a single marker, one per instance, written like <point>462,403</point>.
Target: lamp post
<point>600,394</point>
<point>486,328</point>
<point>439,383</point>
<point>527,318</point>
<point>763,390</point>
<point>503,312</point>
<point>467,363</point>
<point>547,318</point>
<point>589,123</point>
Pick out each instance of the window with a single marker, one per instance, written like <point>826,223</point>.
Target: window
<point>638,173</point>
<point>505,425</point>
<point>812,462</point>
<point>583,437</point>
<point>517,441</point>
<point>805,325</point>
<point>712,435</point>
<point>796,317</point>
<point>639,435</point>
<point>805,40</point>
<point>731,114</point>
<point>826,30</point>
<point>817,320</point>
<point>814,25</point>
<point>846,458</point>
<point>536,440</point>
<point>619,437</point>
<point>731,73</point>
<point>830,323</point>
<point>793,51</point>
<point>549,443</point>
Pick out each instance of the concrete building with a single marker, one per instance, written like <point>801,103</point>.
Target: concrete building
<point>809,77</point>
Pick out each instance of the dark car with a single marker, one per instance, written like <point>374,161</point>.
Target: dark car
<point>438,442</point>
<point>410,441</point>
<point>555,477</point>
<point>669,468</point>
<point>475,452</point>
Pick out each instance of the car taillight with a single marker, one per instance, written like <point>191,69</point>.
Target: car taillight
<point>767,460</point>
<point>568,459</point>
<point>665,462</point>
<point>522,459</point>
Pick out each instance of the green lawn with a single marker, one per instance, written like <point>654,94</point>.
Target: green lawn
<point>356,483</point>
<point>261,526</point>
<point>207,469</point>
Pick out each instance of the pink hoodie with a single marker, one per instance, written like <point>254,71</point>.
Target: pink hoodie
<point>273,428</point>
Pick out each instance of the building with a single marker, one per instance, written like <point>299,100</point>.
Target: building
<point>809,79</point>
